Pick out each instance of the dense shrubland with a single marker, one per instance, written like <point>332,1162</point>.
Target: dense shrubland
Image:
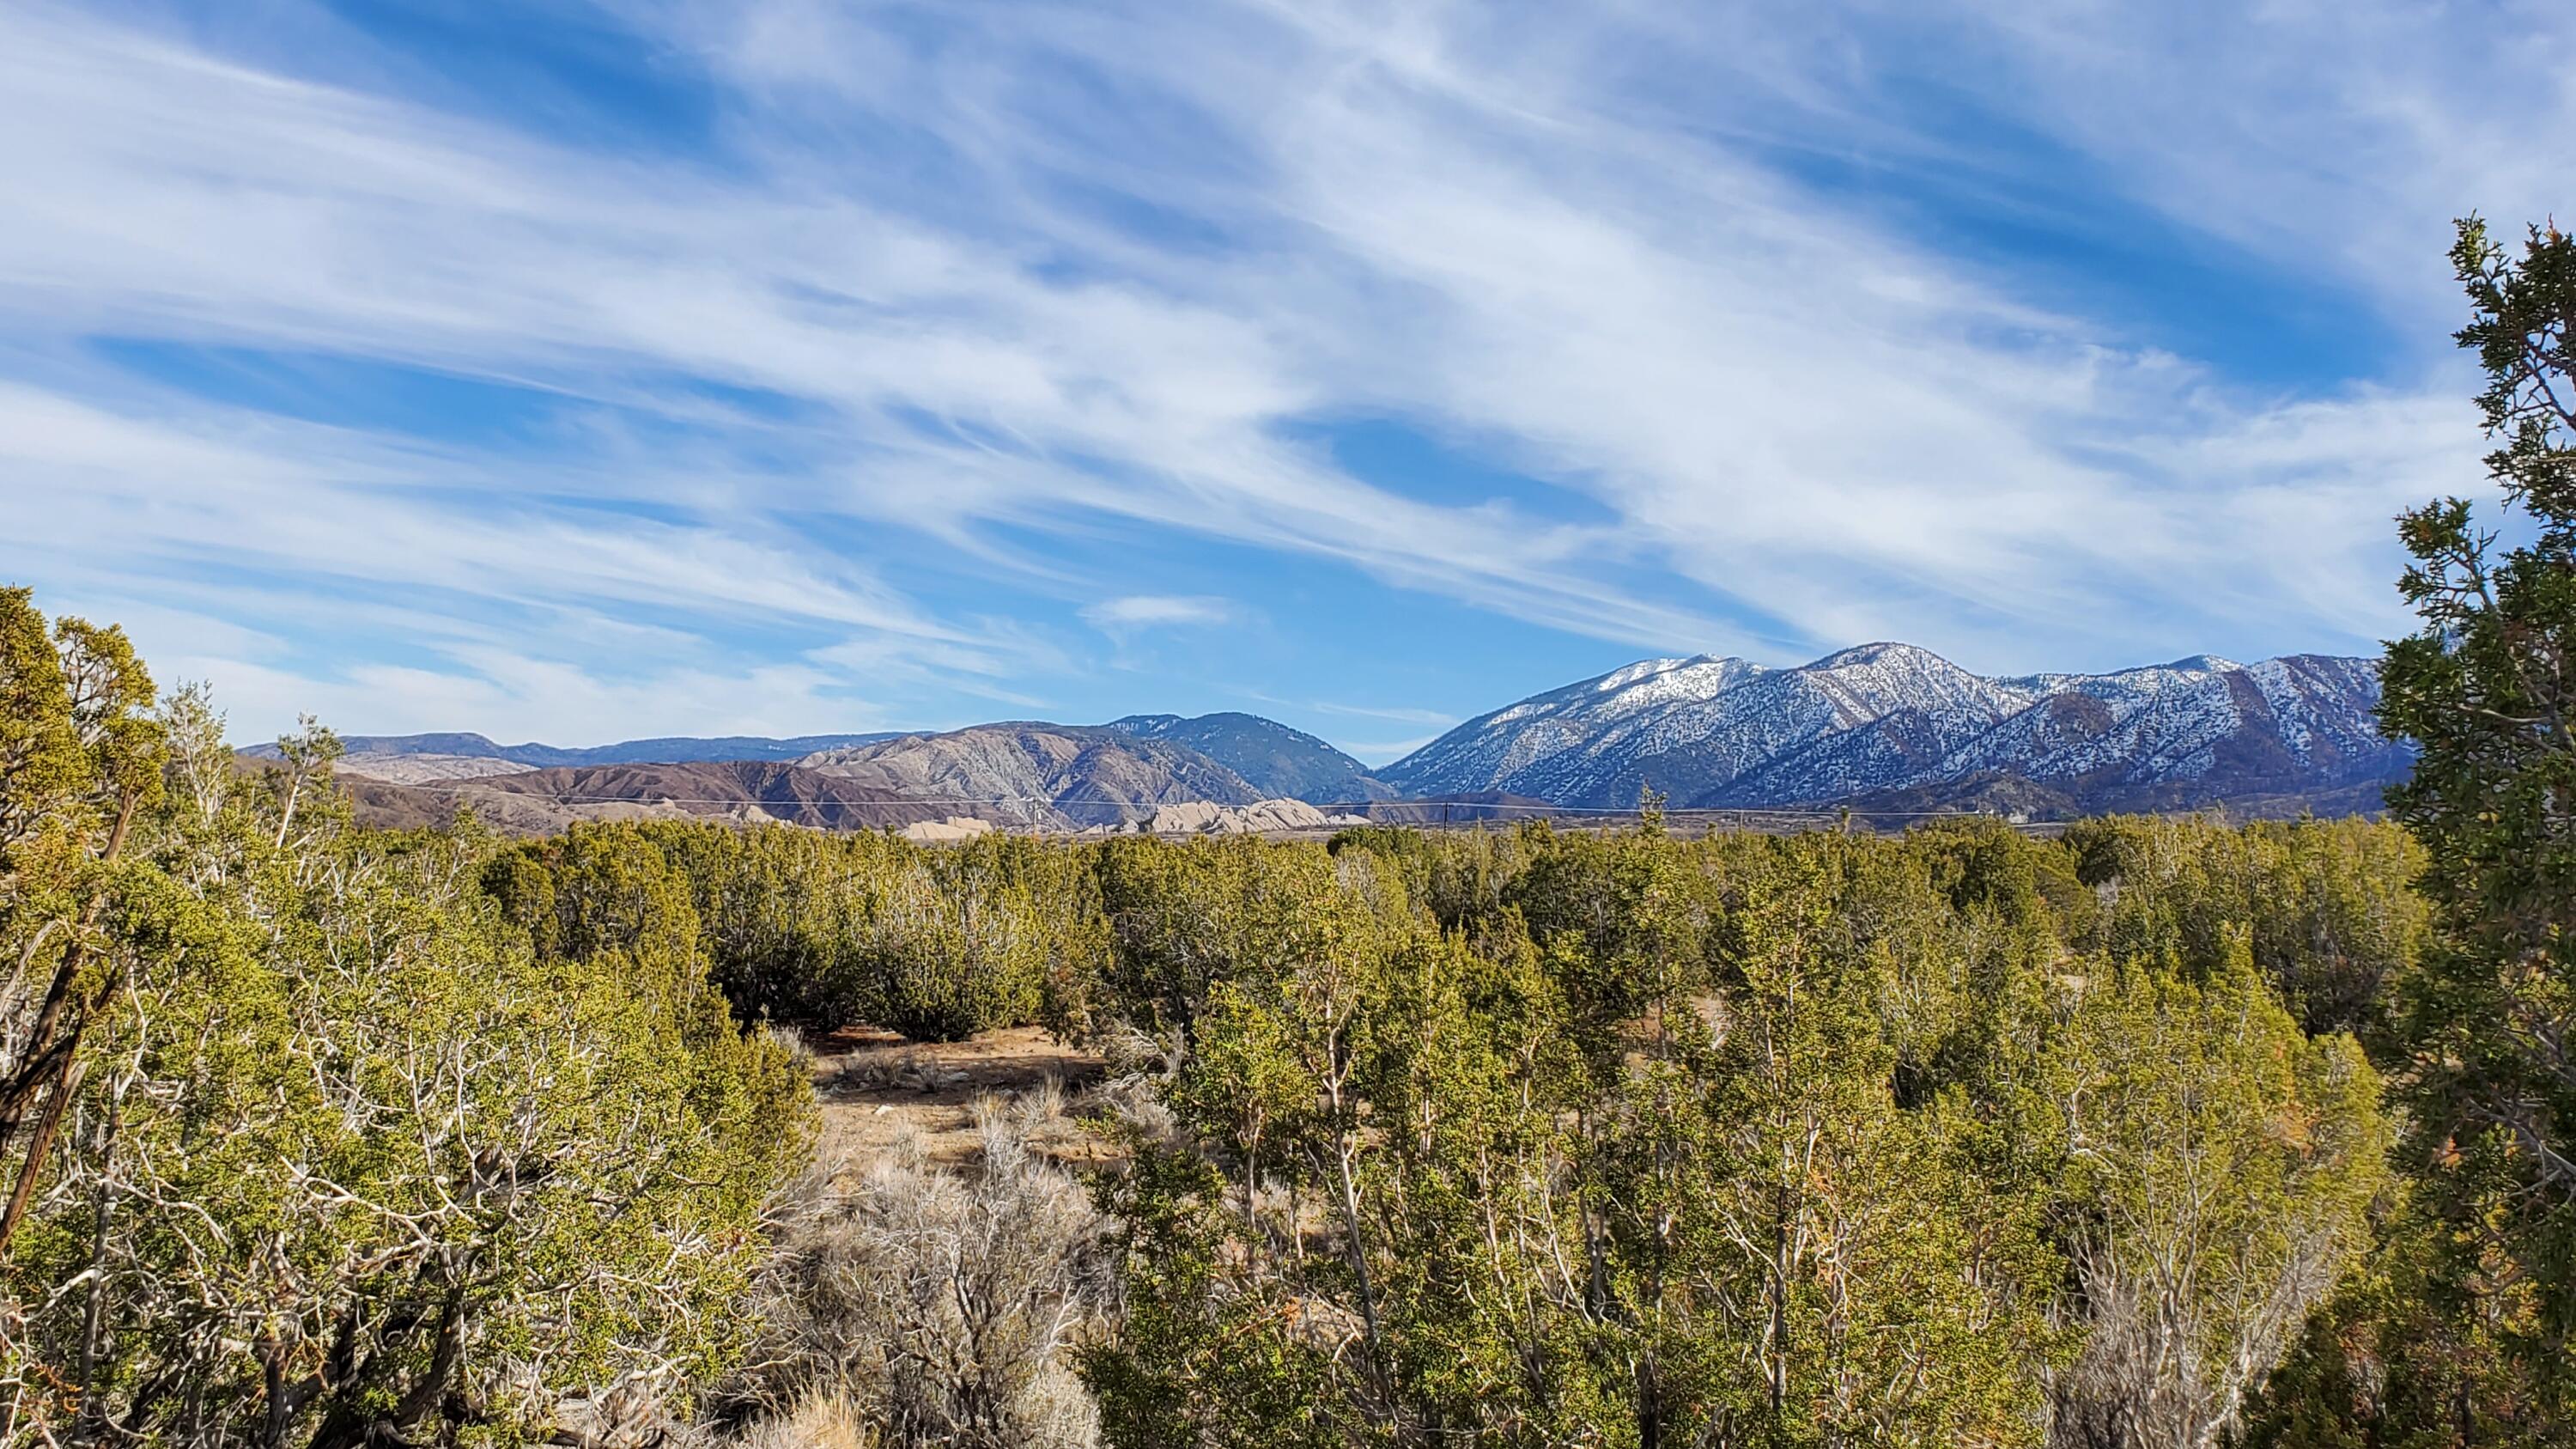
<point>814,931</point>
<point>2162,1133</point>
<point>1743,1140</point>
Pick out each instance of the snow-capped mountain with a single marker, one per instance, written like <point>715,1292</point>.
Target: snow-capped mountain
<point>1886,721</point>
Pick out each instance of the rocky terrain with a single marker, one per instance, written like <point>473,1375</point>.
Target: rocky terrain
<point>1035,774</point>
<point>397,768</point>
<point>1262,817</point>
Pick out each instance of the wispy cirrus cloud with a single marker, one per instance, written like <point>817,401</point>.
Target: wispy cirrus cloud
<point>856,390</point>
<point>1145,611</point>
<point>1400,715</point>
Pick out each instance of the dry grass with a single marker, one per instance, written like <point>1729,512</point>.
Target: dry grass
<point>819,1420</point>
<point>879,1090</point>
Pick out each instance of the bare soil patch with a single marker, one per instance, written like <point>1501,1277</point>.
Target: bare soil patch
<point>877,1089</point>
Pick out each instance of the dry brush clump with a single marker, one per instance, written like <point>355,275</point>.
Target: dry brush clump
<point>933,1306</point>
<point>819,1420</point>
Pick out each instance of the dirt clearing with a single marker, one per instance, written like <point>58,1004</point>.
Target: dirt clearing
<point>877,1088</point>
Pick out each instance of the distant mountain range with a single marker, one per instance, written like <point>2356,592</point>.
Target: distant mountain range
<point>477,749</point>
<point>1895,726</point>
<point>1018,773</point>
<point>1887,727</point>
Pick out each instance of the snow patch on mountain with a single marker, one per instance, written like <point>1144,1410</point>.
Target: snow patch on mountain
<point>1890,717</point>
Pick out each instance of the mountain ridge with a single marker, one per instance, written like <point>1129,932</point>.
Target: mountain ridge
<point>659,750</point>
<point>1887,717</point>
<point>1040,774</point>
<point>540,801</point>
<point>1883,726</point>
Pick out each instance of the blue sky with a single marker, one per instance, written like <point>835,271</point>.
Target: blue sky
<point>582,371</point>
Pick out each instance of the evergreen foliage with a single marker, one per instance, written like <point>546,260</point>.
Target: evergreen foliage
<point>349,1153</point>
<point>2465,1330</point>
<point>1818,1140</point>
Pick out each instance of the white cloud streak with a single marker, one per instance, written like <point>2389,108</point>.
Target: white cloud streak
<point>1145,611</point>
<point>1766,420</point>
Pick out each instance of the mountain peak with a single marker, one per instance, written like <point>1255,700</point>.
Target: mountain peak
<point>1885,653</point>
<point>1274,758</point>
<point>1643,669</point>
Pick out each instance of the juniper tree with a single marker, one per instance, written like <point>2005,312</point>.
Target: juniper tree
<point>2487,689</point>
<point>80,756</point>
<point>338,1156</point>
